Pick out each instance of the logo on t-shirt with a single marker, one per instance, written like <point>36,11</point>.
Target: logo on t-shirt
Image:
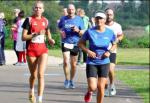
<point>34,23</point>
<point>105,38</point>
<point>43,24</point>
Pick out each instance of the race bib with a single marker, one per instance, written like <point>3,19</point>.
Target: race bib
<point>38,39</point>
<point>69,46</point>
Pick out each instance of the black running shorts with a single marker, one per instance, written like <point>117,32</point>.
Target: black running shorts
<point>97,70</point>
<point>112,58</point>
<point>73,52</point>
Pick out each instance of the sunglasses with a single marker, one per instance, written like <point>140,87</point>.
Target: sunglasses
<point>99,17</point>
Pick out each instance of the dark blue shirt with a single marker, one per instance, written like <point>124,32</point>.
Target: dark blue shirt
<point>66,24</point>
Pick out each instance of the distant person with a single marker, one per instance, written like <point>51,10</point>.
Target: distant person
<point>117,29</point>
<point>64,13</point>
<point>92,21</point>
<point>87,25</point>
<point>71,28</point>
<point>97,64</point>
<point>20,45</point>
<point>147,29</point>
<point>2,39</point>
<point>78,11</point>
<point>14,32</point>
<point>35,28</point>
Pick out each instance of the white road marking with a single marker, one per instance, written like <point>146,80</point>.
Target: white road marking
<point>50,74</point>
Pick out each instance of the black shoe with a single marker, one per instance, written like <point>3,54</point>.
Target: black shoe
<point>15,63</point>
<point>1,64</point>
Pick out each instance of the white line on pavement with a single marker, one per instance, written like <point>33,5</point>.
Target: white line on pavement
<point>50,74</point>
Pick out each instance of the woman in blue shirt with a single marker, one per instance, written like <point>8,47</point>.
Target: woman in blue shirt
<point>97,64</point>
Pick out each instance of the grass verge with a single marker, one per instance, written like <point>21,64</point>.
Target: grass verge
<point>136,79</point>
<point>133,56</point>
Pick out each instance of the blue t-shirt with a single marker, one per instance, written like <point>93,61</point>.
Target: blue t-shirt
<point>98,43</point>
<point>66,24</point>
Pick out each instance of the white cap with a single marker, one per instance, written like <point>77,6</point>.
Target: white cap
<point>100,14</point>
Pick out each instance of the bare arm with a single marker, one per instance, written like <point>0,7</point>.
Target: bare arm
<point>120,37</point>
<point>26,36</point>
<point>107,53</point>
<point>80,32</point>
<point>51,41</point>
<point>82,45</point>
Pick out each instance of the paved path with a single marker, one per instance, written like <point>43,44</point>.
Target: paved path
<point>14,85</point>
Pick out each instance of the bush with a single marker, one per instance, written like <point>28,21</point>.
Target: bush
<point>143,42</point>
<point>125,43</point>
<point>140,42</point>
<point>57,39</point>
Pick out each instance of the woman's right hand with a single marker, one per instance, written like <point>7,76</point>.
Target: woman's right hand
<point>91,54</point>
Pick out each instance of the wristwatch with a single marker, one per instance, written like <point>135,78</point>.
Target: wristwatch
<point>34,34</point>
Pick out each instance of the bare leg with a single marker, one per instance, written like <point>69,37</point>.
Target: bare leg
<point>32,63</point>
<point>73,66</point>
<point>111,73</point>
<point>92,84</point>
<point>42,61</point>
<point>101,87</point>
<point>66,64</point>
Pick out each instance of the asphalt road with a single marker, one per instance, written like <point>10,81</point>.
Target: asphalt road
<point>14,85</point>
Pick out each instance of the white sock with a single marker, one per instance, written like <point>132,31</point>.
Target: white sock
<point>40,98</point>
<point>112,85</point>
<point>32,91</point>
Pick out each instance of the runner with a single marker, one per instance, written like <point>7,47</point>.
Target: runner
<point>34,30</point>
<point>71,28</point>
<point>97,66</point>
<point>110,89</point>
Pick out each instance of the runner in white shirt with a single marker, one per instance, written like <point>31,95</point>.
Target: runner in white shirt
<point>110,23</point>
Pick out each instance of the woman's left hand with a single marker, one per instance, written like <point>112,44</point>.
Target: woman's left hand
<point>106,54</point>
<point>52,42</point>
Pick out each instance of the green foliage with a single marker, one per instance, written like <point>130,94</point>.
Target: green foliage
<point>126,14</point>
<point>53,13</point>
<point>52,10</point>
<point>125,43</point>
<point>57,39</point>
<point>95,7</point>
<point>143,42</point>
<point>139,42</point>
<point>8,43</point>
<point>133,14</point>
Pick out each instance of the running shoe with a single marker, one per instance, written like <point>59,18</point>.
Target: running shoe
<point>32,99</point>
<point>72,84</point>
<point>88,97</point>
<point>18,64</point>
<point>106,93</point>
<point>66,84</point>
<point>39,101</point>
<point>112,90</point>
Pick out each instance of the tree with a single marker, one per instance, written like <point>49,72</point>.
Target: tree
<point>65,3</point>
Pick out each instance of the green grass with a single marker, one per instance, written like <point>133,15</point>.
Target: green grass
<point>136,79</point>
<point>55,52</point>
<point>133,56</point>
